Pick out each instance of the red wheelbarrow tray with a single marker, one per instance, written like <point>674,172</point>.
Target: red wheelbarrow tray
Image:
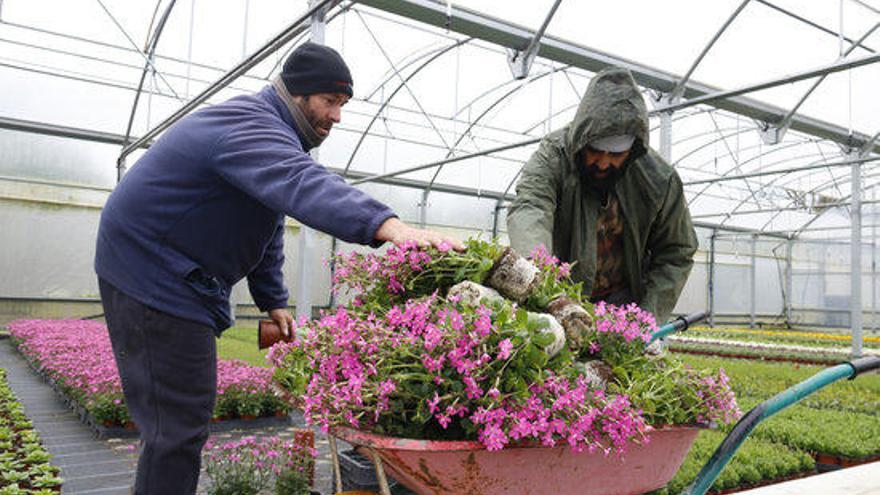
<point>467,468</point>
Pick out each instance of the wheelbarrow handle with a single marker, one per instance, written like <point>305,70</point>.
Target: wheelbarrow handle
<point>679,324</point>
<point>771,406</point>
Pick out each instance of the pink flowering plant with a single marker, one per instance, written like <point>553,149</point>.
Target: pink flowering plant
<point>77,356</point>
<point>555,281</point>
<point>406,359</point>
<point>438,369</point>
<point>252,466</point>
<point>407,271</point>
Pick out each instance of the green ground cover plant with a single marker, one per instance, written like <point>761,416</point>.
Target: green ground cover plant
<point>824,431</point>
<point>839,420</point>
<point>762,380</point>
<point>756,461</point>
<point>24,463</point>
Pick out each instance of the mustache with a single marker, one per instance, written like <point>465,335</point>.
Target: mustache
<point>590,176</point>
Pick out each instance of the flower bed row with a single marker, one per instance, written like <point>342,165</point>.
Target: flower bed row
<point>75,356</point>
<point>836,426</point>
<point>825,424</point>
<point>757,462</point>
<point>761,380</point>
<point>24,464</point>
<point>754,350</point>
<point>844,435</point>
<point>780,336</point>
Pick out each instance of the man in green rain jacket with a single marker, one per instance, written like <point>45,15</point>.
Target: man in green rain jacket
<point>596,194</point>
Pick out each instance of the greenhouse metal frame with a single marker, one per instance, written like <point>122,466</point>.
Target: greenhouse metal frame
<point>784,202</point>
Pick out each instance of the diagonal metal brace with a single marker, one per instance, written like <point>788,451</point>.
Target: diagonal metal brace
<point>520,61</point>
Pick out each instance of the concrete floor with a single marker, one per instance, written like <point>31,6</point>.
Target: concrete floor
<point>859,480</point>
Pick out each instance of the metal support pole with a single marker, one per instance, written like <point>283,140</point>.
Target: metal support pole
<point>307,236</point>
<point>840,65</point>
<point>500,32</point>
<point>423,209</point>
<point>789,280</point>
<point>712,277</point>
<point>497,215</point>
<point>666,136</point>
<point>678,91</point>
<point>753,282</point>
<point>856,261</point>
<point>269,48</point>
<point>520,61</point>
<point>775,133</point>
<point>874,263</point>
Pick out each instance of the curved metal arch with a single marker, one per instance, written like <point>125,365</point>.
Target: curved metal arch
<point>800,229</point>
<point>678,116</point>
<point>700,167</point>
<point>428,51</point>
<point>483,114</point>
<point>808,176</point>
<point>400,86</point>
<point>783,124</point>
<point>772,182</point>
<point>295,42</point>
<point>492,90</point>
<point>739,165</point>
<point>152,43</point>
<point>710,143</point>
<point>744,201</point>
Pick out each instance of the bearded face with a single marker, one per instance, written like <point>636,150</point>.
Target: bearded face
<point>322,110</point>
<point>600,170</point>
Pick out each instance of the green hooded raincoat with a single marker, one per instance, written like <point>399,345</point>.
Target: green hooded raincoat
<point>555,208</point>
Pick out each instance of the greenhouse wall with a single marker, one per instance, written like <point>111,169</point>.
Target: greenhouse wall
<point>52,190</point>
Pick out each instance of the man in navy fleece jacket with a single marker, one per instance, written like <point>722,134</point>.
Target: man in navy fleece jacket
<point>203,208</point>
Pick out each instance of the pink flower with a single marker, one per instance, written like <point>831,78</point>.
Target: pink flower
<point>504,349</point>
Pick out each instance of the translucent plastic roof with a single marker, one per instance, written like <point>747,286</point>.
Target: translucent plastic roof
<point>429,91</point>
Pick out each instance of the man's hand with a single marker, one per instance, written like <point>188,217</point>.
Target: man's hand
<point>283,319</point>
<point>396,231</point>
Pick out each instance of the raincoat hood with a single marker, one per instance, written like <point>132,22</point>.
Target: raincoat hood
<point>611,106</point>
<point>555,207</point>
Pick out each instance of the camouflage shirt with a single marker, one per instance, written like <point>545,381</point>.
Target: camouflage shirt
<point>610,264</point>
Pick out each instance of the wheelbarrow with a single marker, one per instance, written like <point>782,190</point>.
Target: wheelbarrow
<point>430,467</point>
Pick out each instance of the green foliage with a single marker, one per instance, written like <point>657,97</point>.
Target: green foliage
<point>226,406</point>
<point>844,434</point>
<point>108,409</point>
<point>451,267</point>
<point>24,464</point>
<point>762,380</point>
<point>242,482</point>
<point>756,460</point>
<point>292,482</point>
<point>659,387</point>
<point>825,422</point>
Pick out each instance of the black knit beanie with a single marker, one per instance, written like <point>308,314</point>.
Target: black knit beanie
<point>313,68</point>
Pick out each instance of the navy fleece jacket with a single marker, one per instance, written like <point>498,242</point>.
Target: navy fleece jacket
<point>204,207</point>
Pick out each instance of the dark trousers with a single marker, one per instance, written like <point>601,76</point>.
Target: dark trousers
<point>168,368</point>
